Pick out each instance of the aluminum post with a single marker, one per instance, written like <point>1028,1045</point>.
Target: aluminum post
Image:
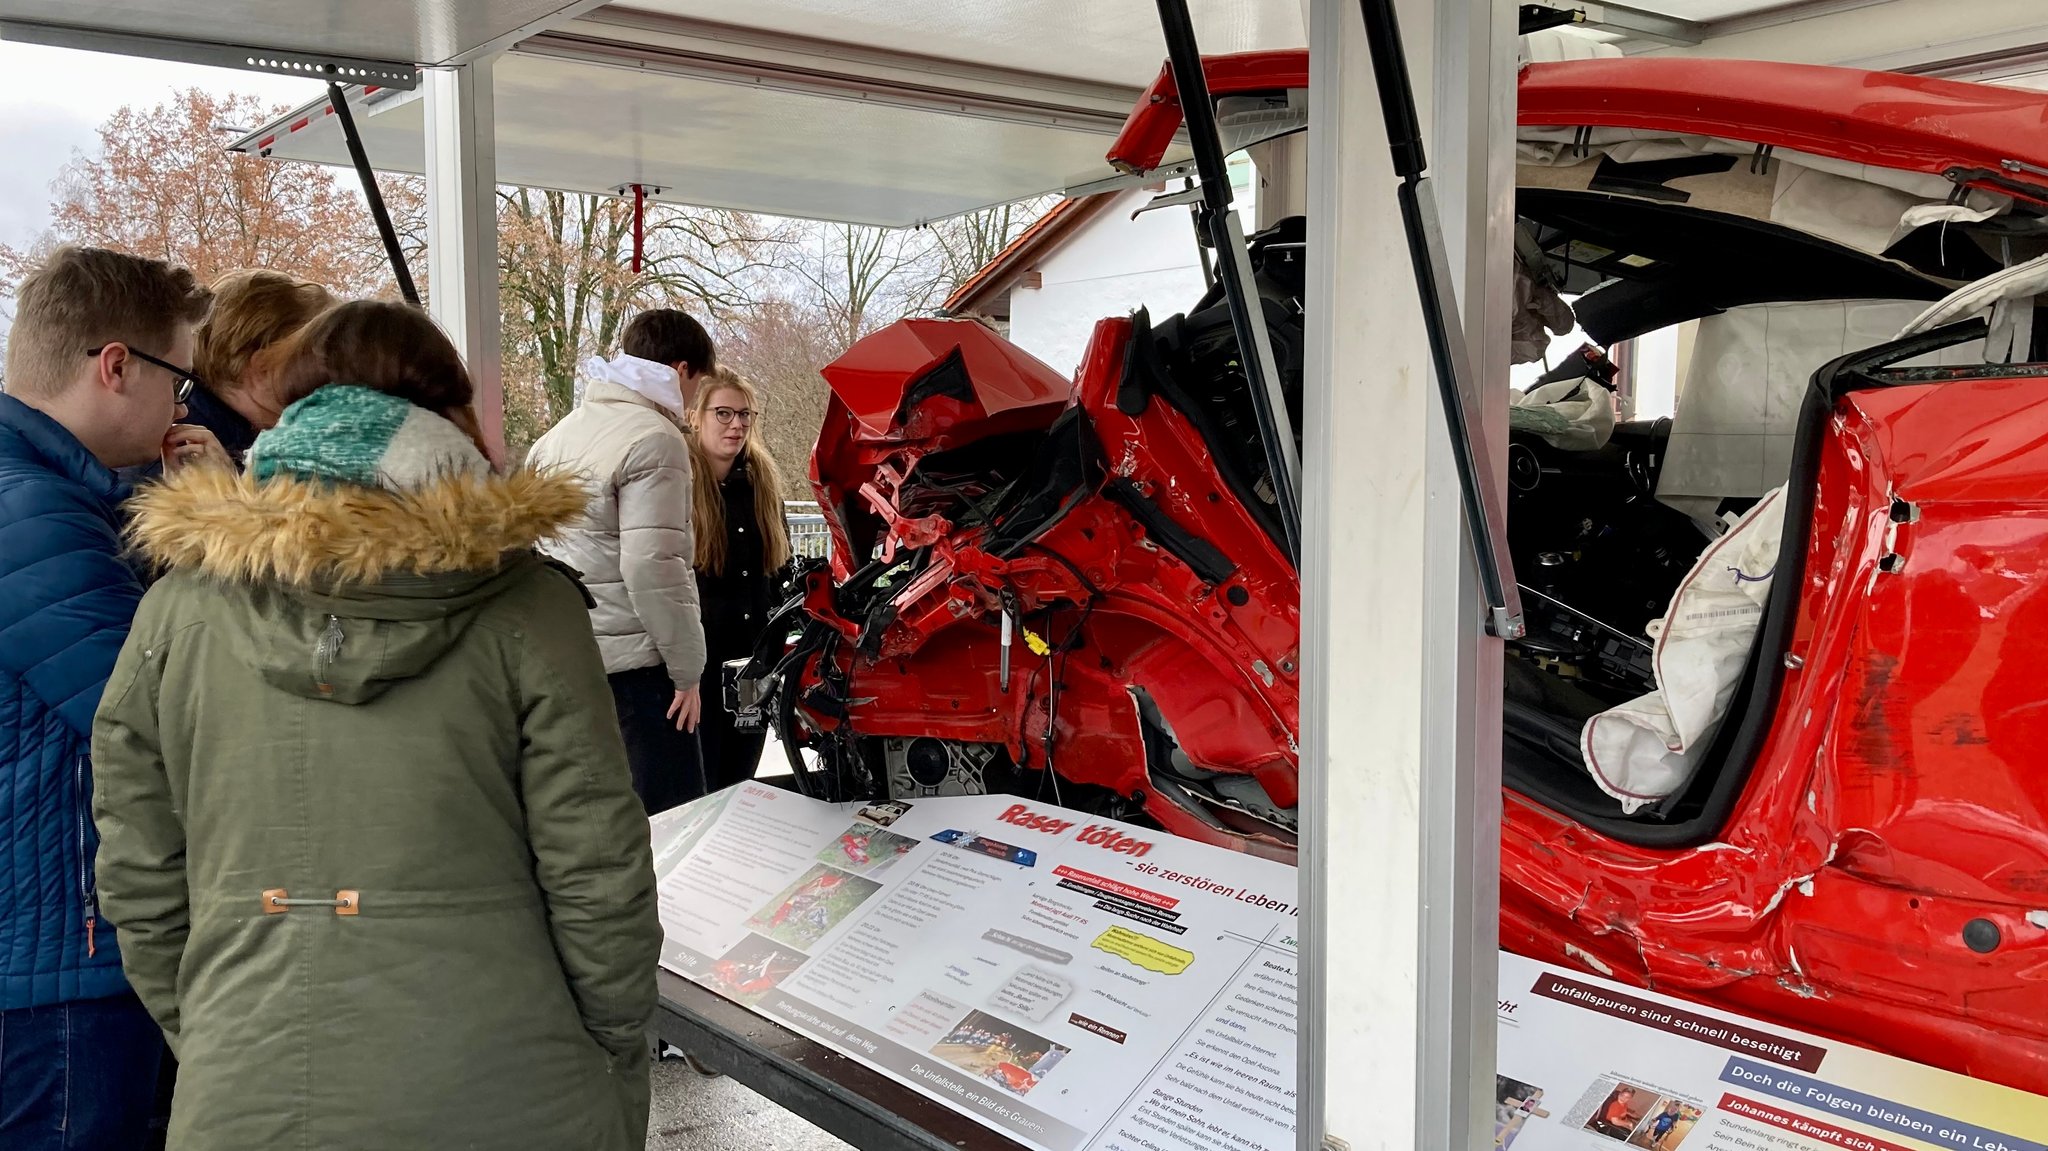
<point>1401,693</point>
<point>462,227</point>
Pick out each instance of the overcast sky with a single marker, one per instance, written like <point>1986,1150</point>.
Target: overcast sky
<point>53,100</point>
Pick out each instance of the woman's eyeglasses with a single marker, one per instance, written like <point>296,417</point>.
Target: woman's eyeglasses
<point>726,416</point>
<point>186,380</point>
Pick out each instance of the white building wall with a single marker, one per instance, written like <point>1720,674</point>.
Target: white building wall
<point>1112,266</point>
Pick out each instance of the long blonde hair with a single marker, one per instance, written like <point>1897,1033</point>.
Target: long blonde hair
<point>707,512</point>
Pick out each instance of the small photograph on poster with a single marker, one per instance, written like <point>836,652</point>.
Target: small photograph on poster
<point>866,850</point>
<point>1515,1103</point>
<point>754,968</point>
<point>1000,1052</point>
<point>1623,1107</point>
<point>980,845</point>
<point>885,813</point>
<point>1669,1122</point>
<point>803,912</point>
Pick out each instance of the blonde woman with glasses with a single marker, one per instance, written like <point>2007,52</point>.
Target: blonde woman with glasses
<point>742,556</point>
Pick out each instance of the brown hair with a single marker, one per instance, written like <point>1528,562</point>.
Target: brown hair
<point>387,347</point>
<point>707,510</point>
<point>668,336</point>
<point>253,310</point>
<point>82,298</point>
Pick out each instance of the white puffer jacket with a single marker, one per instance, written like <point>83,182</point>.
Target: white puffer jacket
<point>633,544</point>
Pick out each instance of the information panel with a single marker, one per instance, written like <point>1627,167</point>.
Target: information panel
<point>1071,983</point>
<point>1083,985</point>
<point>1586,1064</point>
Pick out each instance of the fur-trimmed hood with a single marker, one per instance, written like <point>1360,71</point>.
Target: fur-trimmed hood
<point>309,534</point>
<point>336,591</point>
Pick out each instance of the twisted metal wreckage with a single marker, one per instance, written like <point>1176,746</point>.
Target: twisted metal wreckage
<point>1084,590</point>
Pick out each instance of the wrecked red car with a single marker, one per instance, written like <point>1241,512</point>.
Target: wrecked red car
<point>1075,589</point>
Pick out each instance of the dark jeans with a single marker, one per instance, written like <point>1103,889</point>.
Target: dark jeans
<point>729,756</point>
<point>668,770</point>
<point>78,1076</point>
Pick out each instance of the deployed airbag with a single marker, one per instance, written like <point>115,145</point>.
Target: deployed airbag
<point>1739,406</point>
<point>1649,748</point>
<point>1571,415</point>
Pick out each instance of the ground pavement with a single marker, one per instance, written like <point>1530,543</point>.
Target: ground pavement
<point>692,1113</point>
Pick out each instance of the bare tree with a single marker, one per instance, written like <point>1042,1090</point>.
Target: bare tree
<point>864,277</point>
<point>568,286</point>
<point>780,345</point>
<point>967,243</point>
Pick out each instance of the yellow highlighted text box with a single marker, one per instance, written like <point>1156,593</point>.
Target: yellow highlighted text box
<point>1145,951</point>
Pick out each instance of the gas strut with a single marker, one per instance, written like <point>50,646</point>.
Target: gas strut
<point>1234,270</point>
<point>337,98</point>
<point>1487,519</point>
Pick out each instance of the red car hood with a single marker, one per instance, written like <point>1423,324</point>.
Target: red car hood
<point>1990,137</point>
<point>871,381</point>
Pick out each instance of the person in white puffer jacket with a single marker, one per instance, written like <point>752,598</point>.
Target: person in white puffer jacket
<point>634,544</point>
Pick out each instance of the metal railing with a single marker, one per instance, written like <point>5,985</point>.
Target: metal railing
<point>808,535</point>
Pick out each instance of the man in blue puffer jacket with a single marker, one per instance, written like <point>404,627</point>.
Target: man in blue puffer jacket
<point>94,382</point>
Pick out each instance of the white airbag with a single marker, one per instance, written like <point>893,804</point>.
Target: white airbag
<point>1649,748</point>
<point>1747,382</point>
<point>1571,415</point>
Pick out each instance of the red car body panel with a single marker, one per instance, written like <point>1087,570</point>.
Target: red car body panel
<point>1150,129</point>
<point>868,379</point>
<point>1908,123</point>
<point>1157,622</point>
<point>1898,798</point>
<point>1895,819</point>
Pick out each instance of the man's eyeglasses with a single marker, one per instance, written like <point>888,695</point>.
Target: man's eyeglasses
<point>727,415</point>
<point>186,380</point>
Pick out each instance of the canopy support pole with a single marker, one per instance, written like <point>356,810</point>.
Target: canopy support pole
<point>1450,354</point>
<point>462,228</point>
<point>1234,270</point>
<point>639,227</point>
<point>337,99</point>
<point>1400,759</point>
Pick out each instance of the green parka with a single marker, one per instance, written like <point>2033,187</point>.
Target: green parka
<point>382,702</point>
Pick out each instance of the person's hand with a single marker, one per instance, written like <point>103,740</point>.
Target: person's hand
<point>188,444</point>
<point>687,708</point>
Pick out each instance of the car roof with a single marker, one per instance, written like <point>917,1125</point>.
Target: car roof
<point>1977,134</point>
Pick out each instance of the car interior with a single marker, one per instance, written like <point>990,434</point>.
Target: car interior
<point>1601,538</point>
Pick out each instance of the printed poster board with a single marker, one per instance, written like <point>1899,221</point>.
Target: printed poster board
<point>1589,1065</point>
<point>1070,983</point>
<point>1082,985</point>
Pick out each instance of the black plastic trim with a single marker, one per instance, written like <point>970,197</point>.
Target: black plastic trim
<point>1705,262</point>
<point>1147,371</point>
<point>1202,557</point>
<point>948,377</point>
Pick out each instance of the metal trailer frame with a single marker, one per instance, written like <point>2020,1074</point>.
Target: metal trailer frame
<point>1400,751</point>
<point>831,1090</point>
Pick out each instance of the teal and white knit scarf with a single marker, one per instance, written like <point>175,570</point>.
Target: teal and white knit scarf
<point>355,435</point>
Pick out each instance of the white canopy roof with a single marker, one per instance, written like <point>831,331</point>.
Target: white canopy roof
<point>866,111</point>
<point>872,111</point>
<point>287,35</point>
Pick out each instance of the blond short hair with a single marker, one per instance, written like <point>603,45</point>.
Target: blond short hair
<point>253,309</point>
<point>83,298</point>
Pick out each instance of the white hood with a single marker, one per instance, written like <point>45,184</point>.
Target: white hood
<point>657,382</point>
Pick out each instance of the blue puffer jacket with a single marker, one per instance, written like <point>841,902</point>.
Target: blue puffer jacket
<point>66,598</point>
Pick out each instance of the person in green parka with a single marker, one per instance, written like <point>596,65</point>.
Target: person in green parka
<point>367,831</point>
